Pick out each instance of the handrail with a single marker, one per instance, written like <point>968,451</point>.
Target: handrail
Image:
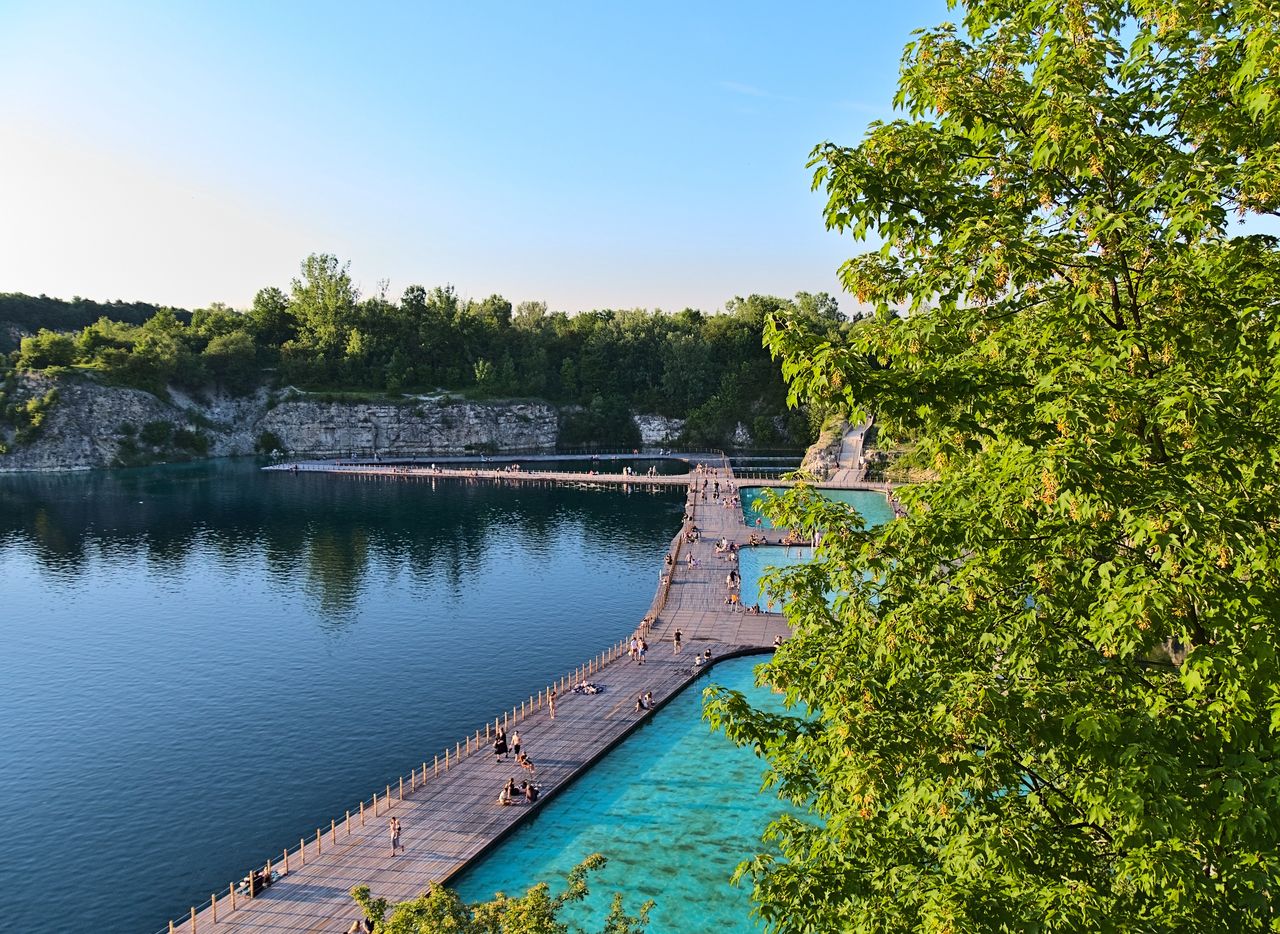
<point>395,791</point>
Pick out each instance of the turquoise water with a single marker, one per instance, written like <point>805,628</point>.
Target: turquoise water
<point>754,563</point>
<point>872,506</point>
<point>201,663</point>
<point>675,808</point>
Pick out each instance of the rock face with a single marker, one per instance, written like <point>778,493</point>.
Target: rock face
<point>422,427</point>
<point>822,457</point>
<point>101,426</point>
<point>658,429</point>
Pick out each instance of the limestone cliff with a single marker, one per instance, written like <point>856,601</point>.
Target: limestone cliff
<point>101,426</point>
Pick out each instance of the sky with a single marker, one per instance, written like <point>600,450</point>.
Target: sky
<point>589,155</point>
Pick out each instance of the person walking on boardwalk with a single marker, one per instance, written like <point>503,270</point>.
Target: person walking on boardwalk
<point>634,651</point>
<point>499,744</point>
<point>515,743</point>
<point>675,640</point>
<point>644,648</point>
<point>395,836</point>
<point>551,702</point>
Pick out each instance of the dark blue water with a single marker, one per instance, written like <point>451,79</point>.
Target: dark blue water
<point>200,664</point>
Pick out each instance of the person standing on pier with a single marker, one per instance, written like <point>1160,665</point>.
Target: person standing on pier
<point>395,836</point>
<point>551,702</point>
<point>675,640</point>
<point>499,744</point>
<point>515,743</point>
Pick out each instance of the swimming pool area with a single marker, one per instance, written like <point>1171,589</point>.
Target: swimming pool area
<point>754,563</point>
<point>872,506</point>
<point>674,808</point>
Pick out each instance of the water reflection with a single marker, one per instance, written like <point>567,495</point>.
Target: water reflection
<point>179,641</point>
<point>324,530</point>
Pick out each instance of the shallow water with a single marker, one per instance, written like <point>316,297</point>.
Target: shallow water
<point>872,506</point>
<point>202,663</point>
<point>674,809</point>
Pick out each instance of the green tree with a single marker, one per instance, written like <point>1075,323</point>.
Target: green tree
<point>231,360</point>
<point>324,302</point>
<point>1049,697</point>
<point>441,911</point>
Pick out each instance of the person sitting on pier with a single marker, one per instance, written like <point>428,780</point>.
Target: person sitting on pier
<point>648,699</point>
<point>530,792</point>
<point>526,763</point>
<point>508,790</point>
<point>639,703</point>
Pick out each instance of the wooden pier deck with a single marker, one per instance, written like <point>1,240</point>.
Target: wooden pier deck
<point>842,481</point>
<point>451,817</point>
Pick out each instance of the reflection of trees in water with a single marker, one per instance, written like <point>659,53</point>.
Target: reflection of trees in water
<point>323,531</point>
<point>335,564</point>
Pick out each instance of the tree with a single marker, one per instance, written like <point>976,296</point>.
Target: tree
<point>1048,697</point>
<point>324,302</point>
<point>441,911</point>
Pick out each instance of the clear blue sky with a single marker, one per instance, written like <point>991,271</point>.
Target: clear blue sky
<point>590,155</point>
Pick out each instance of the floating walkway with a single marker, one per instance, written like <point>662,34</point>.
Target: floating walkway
<point>447,804</point>
<point>843,480</point>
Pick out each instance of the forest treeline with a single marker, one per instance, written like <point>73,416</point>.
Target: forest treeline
<point>21,314</point>
<point>323,335</point>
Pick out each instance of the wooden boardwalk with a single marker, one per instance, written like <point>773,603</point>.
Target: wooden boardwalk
<point>452,817</point>
<point>843,481</point>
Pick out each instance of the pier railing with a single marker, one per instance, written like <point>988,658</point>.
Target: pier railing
<point>339,829</point>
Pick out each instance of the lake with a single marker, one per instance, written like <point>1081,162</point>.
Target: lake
<point>201,663</point>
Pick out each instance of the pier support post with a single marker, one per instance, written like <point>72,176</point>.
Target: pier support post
<point>232,889</point>
<point>319,849</point>
<point>348,823</point>
<point>333,832</point>
<point>213,905</point>
<point>361,813</point>
<point>446,760</point>
<point>401,787</point>
<point>437,765</point>
<point>302,850</point>
<point>387,799</point>
<point>286,861</point>
<point>193,919</point>
<point>375,804</point>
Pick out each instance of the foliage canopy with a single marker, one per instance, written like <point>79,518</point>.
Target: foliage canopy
<point>440,911</point>
<point>1049,697</point>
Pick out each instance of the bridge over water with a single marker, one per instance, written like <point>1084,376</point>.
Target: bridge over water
<point>446,803</point>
